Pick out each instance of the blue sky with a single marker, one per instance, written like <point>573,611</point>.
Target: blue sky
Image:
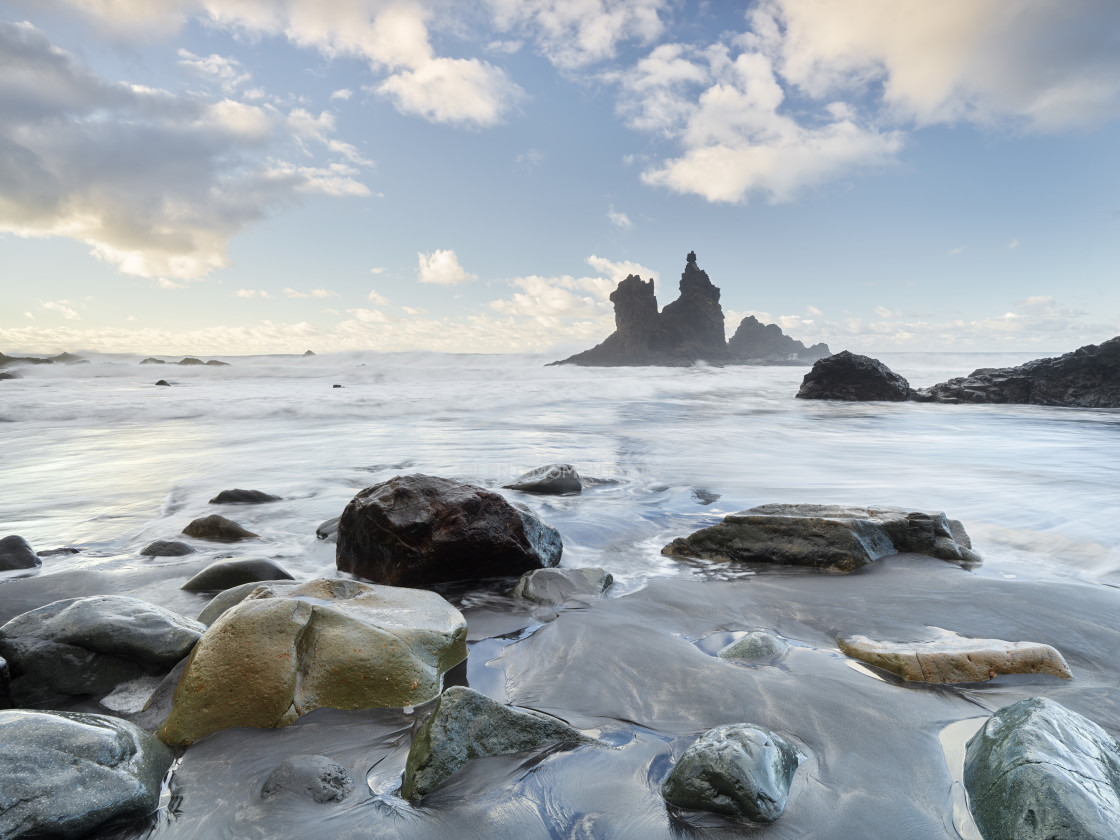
<point>247,176</point>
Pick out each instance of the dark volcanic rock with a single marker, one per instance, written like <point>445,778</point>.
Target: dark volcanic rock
<point>554,479</point>
<point>635,320</point>
<point>243,497</point>
<point>756,341</point>
<point>1038,771</point>
<point>313,776</point>
<point>554,586</point>
<point>1089,377</point>
<point>64,774</point>
<point>216,363</point>
<point>9,374</point>
<point>166,548</point>
<point>151,360</point>
<point>692,326</point>
<point>190,360</point>
<point>420,530</point>
<point>68,359</point>
<point>827,536</point>
<point>16,553</point>
<point>218,529</point>
<point>5,684</point>
<point>847,376</point>
<point>5,361</point>
<point>737,770</point>
<point>309,353</point>
<point>224,574</point>
<point>163,382</point>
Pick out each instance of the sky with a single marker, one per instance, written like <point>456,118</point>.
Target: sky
<point>271,176</point>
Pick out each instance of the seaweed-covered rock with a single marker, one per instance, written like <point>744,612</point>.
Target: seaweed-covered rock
<point>237,496</point>
<point>1039,771</point>
<point>315,777</point>
<point>17,553</point>
<point>217,529</point>
<point>554,479</point>
<point>419,530</point>
<point>64,774</point>
<point>554,586</point>
<point>757,644</point>
<point>224,574</point>
<point>166,548</point>
<point>834,537</point>
<point>91,645</point>
<point>466,724</point>
<point>949,658</point>
<point>847,376</point>
<point>287,650</point>
<point>737,770</point>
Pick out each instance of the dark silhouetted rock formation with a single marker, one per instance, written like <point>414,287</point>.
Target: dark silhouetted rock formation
<point>757,341</point>
<point>688,330</point>
<point>1089,377</point>
<point>847,376</point>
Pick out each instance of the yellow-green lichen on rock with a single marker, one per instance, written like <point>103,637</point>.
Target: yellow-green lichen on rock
<point>287,650</point>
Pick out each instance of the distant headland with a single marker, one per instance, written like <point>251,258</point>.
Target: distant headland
<point>688,330</point>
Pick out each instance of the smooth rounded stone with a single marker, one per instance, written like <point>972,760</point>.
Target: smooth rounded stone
<point>420,530</point>
<point>238,496</point>
<point>64,774</point>
<point>132,696</point>
<point>1039,771</point>
<point>950,658</point>
<point>848,376</point>
<point>737,770</point>
<point>163,382</point>
<point>313,776</point>
<point>328,530</point>
<point>287,650</point>
<point>231,598</point>
<point>91,645</point>
<point>224,574</point>
<point>554,586</point>
<point>757,644</point>
<point>166,548</point>
<point>217,529</point>
<point>466,724</point>
<point>553,479</point>
<point>833,537</point>
<point>17,553</point>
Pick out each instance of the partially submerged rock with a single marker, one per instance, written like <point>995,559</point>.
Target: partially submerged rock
<point>217,529</point>
<point>5,684</point>
<point>224,574</point>
<point>285,651</point>
<point>314,777</point>
<point>554,479</point>
<point>737,770</point>
<point>237,496</point>
<point>152,360</point>
<point>328,530</point>
<point>91,645</point>
<point>757,644</point>
<point>17,553</point>
<point>466,724</point>
<point>554,586</point>
<point>949,658</point>
<point>419,530</point>
<point>1039,771</point>
<point>166,548</point>
<point>65,774</point>
<point>848,376</point>
<point>833,537</point>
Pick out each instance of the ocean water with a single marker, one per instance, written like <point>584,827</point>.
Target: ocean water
<point>97,458</point>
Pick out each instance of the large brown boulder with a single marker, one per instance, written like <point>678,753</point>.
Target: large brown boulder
<point>420,530</point>
<point>849,376</point>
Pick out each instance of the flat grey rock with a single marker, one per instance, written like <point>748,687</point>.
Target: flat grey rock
<point>554,586</point>
<point>224,574</point>
<point>314,777</point>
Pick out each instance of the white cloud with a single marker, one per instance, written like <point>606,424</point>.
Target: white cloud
<point>226,71</point>
<point>314,293</point>
<point>812,310</point>
<point>63,308</point>
<point>342,94</point>
<point>168,283</point>
<point>252,293</point>
<point>414,310</point>
<point>617,271</point>
<point>369,316</point>
<point>29,316</point>
<point>531,159</point>
<point>508,47</point>
<point>377,299</point>
<point>619,220</point>
<point>442,268</point>
<point>1014,243</point>
<point>377,270</point>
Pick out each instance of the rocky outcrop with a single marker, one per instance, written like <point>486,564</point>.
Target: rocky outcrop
<point>688,330</point>
<point>285,651</point>
<point>61,359</point>
<point>757,644</point>
<point>420,530</point>
<point>152,360</point>
<point>737,770</point>
<point>65,774</point>
<point>1039,771</point>
<point>229,598</point>
<point>554,586</point>
<point>223,574</point>
<point>465,725</point>
<point>166,548</point>
<point>91,645</point>
<point>238,496</point>
<point>832,537</point>
<point>949,658</point>
<point>217,529</point>
<point>313,777</point>
<point>766,343</point>
<point>848,376</point>
<point>554,480</point>
<point>17,553</point>
<point>1089,377</point>
<point>190,360</point>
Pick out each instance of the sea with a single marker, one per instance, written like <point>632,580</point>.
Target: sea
<point>98,459</point>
